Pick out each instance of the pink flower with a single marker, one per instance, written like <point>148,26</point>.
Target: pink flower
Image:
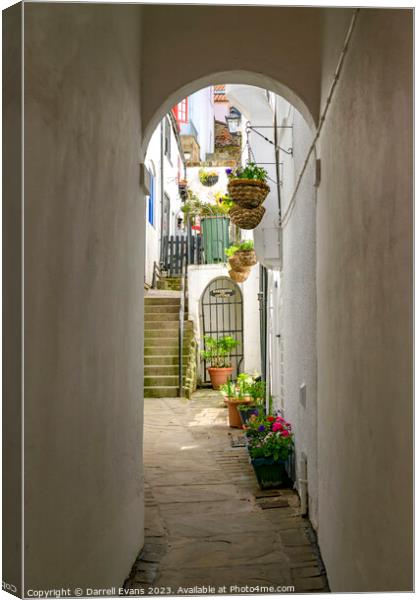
<point>284,433</point>
<point>277,427</point>
<point>280,420</point>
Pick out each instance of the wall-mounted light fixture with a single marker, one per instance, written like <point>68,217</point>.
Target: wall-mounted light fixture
<point>233,120</point>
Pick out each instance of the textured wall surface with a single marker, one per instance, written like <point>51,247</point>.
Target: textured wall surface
<point>364,286</point>
<point>84,255</point>
<point>12,299</point>
<point>298,326</point>
<point>227,41</point>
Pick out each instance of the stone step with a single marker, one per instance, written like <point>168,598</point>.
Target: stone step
<point>167,332</point>
<point>163,350</point>
<point>162,301</point>
<point>162,359</point>
<point>166,325</point>
<point>161,316</point>
<point>161,308</point>
<point>157,370</point>
<point>161,392</point>
<point>161,381</point>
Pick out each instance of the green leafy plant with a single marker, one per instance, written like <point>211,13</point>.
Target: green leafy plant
<point>224,201</point>
<point>193,207</point>
<point>231,250</point>
<point>218,350</point>
<point>250,171</point>
<point>229,389</point>
<point>257,391</point>
<point>245,246</point>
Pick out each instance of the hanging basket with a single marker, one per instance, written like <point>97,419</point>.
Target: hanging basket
<point>246,218</point>
<point>248,193</point>
<point>246,258</point>
<point>236,265</point>
<point>239,276</point>
<point>210,180</point>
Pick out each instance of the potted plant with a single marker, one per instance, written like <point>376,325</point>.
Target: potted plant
<point>217,352</point>
<point>234,398</point>
<point>270,445</point>
<point>241,258</point>
<point>208,178</point>
<point>256,391</point>
<point>248,189</point>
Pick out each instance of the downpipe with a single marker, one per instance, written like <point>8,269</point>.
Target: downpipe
<point>303,484</point>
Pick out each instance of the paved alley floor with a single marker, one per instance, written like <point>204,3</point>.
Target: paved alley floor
<point>209,528</point>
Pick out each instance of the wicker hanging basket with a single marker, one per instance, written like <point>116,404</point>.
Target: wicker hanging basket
<point>246,218</point>
<point>210,180</point>
<point>246,258</point>
<point>236,265</point>
<point>239,276</point>
<point>248,193</point>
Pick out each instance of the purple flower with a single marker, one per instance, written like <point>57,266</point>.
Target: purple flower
<point>261,428</point>
<point>228,171</point>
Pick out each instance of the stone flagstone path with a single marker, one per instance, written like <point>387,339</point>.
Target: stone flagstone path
<point>208,525</point>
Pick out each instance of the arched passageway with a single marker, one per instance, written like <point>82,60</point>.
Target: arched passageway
<point>89,109</point>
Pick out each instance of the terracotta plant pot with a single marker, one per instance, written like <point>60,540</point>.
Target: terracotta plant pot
<point>219,375</point>
<point>234,414</point>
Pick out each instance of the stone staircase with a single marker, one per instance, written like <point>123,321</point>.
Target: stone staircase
<point>161,360</point>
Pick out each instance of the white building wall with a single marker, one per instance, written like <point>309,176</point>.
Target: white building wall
<point>289,255</point>
<point>201,113</point>
<point>199,276</point>
<point>172,169</point>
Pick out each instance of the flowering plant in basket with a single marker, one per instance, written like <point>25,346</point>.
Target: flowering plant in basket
<point>269,437</point>
<point>248,189</point>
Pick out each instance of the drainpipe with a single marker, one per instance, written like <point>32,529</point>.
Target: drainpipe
<point>277,158</point>
<point>303,483</point>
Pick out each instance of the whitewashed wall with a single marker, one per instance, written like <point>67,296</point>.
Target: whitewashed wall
<point>291,302</point>
<point>201,113</point>
<point>171,168</point>
<point>199,276</point>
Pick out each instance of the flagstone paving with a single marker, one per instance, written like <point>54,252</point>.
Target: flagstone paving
<point>208,526</point>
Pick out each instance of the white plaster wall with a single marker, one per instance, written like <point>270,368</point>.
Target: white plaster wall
<point>199,276</point>
<point>201,113</point>
<point>152,162</point>
<point>84,257</point>
<point>291,302</point>
<point>364,286</point>
<point>172,171</point>
<point>207,194</point>
<point>298,309</point>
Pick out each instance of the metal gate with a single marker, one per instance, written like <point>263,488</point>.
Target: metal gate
<point>221,313</point>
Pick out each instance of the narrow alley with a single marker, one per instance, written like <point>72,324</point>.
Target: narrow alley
<point>207,522</point>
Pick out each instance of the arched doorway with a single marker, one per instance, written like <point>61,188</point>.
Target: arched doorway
<point>221,313</point>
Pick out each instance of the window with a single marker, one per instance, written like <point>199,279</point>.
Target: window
<point>181,111</point>
<point>167,138</point>
<point>151,206</point>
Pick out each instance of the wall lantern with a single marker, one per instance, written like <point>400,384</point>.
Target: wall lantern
<point>233,120</point>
